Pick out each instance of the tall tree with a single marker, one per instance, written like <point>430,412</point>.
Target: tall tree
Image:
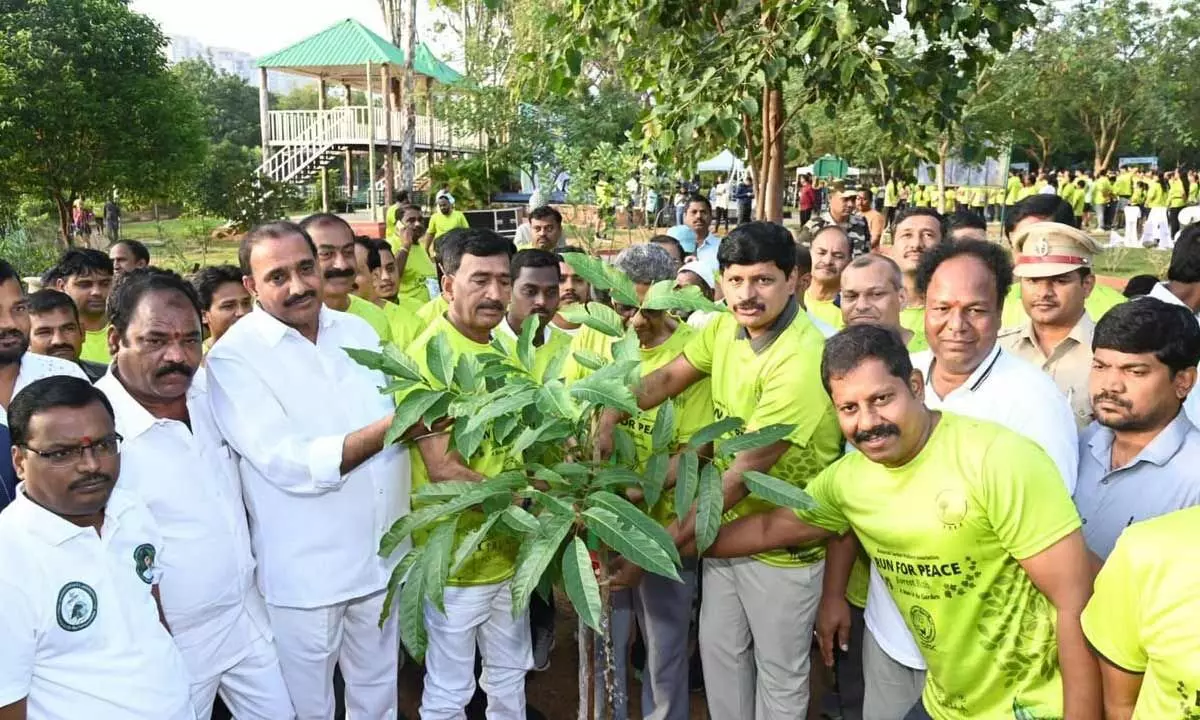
<point>87,104</point>
<point>228,104</point>
<point>717,71</point>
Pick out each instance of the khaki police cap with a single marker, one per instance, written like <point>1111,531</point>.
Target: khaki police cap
<point>1047,249</point>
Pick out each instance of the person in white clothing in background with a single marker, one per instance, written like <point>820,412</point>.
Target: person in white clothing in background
<point>81,634</point>
<point>966,372</point>
<point>175,461</point>
<point>320,486</point>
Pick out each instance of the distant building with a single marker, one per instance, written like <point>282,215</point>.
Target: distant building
<point>234,62</point>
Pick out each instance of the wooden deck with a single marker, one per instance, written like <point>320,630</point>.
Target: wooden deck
<point>352,126</point>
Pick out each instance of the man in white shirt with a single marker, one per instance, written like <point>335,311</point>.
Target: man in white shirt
<point>698,216</point>
<point>80,626</point>
<point>18,366</point>
<point>966,372</point>
<point>320,487</point>
<point>1183,288</point>
<point>175,461</point>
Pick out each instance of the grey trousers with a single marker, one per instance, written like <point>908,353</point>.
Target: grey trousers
<point>663,610</point>
<point>756,626</point>
<point>892,689</point>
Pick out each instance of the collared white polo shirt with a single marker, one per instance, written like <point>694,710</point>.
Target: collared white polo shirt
<point>286,405</point>
<point>80,635</point>
<point>188,478</point>
<point>1006,390</point>
<point>35,367</point>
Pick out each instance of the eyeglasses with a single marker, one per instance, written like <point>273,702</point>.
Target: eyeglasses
<point>104,447</point>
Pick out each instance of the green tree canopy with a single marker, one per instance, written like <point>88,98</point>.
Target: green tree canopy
<point>87,104</point>
<point>227,103</point>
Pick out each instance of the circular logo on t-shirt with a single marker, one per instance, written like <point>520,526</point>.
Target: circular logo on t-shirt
<point>922,624</point>
<point>76,606</point>
<point>951,507</point>
<point>143,562</point>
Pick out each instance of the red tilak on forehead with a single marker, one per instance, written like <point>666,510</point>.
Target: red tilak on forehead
<point>87,440</point>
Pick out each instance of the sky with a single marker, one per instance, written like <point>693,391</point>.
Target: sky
<point>264,26</point>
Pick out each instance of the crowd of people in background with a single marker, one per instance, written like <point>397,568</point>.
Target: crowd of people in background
<point>200,476</point>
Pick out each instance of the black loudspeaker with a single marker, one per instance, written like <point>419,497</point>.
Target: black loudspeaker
<point>504,220</point>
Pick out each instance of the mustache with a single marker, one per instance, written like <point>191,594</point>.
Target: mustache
<point>879,431</point>
<point>172,368</point>
<point>296,299</point>
<point>12,333</point>
<point>751,306</point>
<point>489,305</point>
<point>91,478</point>
<point>61,346</point>
<point>334,273</point>
<point>1114,399</point>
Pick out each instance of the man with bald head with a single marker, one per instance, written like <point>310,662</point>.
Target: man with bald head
<point>873,294</point>
<point>308,424</point>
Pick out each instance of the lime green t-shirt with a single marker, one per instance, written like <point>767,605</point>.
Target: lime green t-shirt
<point>374,315</point>
<point>1102,299</point>
<point>979,197</point>
<point>1123,186</point>
<point>913,318</point>
<point>1156,197</point>
<point>433,309</point>
<point>890,194</point>
<point>403,322</point>
<point>588,339</point>
<point>1143,613</point>
<point>1012,190</point>
<point>418,269</point>
<point>1176,195</point>
<point>495,559</point>
<point>780,384</point>
<point>1077,201</point>
<point>440,223</point>
<point>95,346</point>
<point>946,532</point>
<point>1138,197</point>
<point>1027,191</point>
<point>548,350</point>
<point>825,310</point>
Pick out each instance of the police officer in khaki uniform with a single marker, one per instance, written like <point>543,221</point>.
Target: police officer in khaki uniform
<point>1053,263</point>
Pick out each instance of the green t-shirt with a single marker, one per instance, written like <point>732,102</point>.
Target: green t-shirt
<point>825,310</point>
<point>1077,201</point>
<point>1123,187</point>
<point>95,346</point>
<point>781,384</point>
<point>403,321</point>
<point>913,318</point>
<point>946,532</point>
<point>1102,299</point>
<point>495,559</point>
<point>440,223</point>
<point>1027,191</point>
<point>544,354</point>
<point>1144,609</point>
<point>418,269</point>
<point>1012,190</point>
<point>433,309</point>
<point>374,315</point>
<point>890,194</point>
<point>1176,195</point>
<point>585,339</point>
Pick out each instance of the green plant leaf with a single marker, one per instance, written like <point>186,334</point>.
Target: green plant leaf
<point>637,547</point>
<point>550,477</point>
<point>554,368</point>
<point>409,412</point>
<point>438,410</point>
<point>624,448</point>
<point>467,373</point>
<point>655,477</point>
<point>439,356</point>
<point>687,477</point>
<point>579,580</point>
<point>444,490</point>
<point>627,348</point>
<point>710,507</point>
<point>502,406</point>
<point>554,399</point>
<point>535,555</point>
<point>394,581</point>
<point>575,471</point>
<point>426,516</point>
<point>519,519</point>
<point>631,515</point>
<point>549,502</point>
<point>412,611</point>
<point>663,436</point>
<point>469,544</point>
<point>603,276</point>
<point>465,441</point>
<point>662,295</point>
<point>607,393</point>
<point>435,563</point>
<point>777,492</point>
<point>525,348</point>
<point>712,432</point>
<point>753,440</point>
<point>590,360</point>
<point>609,478</point>
<point>595,315</point>
<point>390,362</point>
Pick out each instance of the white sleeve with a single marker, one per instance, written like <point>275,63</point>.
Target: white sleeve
<point>256,426</point>
<point>18,637</point>
<point>1052,426</point>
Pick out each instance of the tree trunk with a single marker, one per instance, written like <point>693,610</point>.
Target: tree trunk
<point>584,635</point>
<point>943,153</point>
<point>64,218</point>
<point>764,159</point>
<point>408,115</point>
<point>772,199</point>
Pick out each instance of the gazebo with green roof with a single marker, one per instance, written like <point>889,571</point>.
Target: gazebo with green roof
<point>298,145</point>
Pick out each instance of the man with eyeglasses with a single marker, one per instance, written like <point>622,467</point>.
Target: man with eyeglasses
<point>176,462</point>
<point>81,630</point>
<point>18,367</point>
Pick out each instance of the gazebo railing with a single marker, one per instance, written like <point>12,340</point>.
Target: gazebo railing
<point>299,127</point>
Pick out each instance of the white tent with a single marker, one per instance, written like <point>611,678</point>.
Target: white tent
<point>725,162</point>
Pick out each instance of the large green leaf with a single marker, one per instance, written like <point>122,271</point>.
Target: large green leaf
<point>439,356</point>
<point>603,276</point>
<point>444,490</point>
<point>549,502</point>
<point>596,316</point>
<point>655,477</point>
<point>412,611</point>
<point>716,430</point>
<point>709,508</point>
<point>525,348</point>
<point>627,348</point>
<point>410,410</point>
<point>394,581</point>
<point>632,515</point>
<point>637,547</point>
<point>579,580</point>
<point>505,428</point>
<point>519,519</point>
<point>576,471</point>
<point>426,516</point>
<point>467,373</point>
<point>535,555</point>
<point>390,362</point>
<point>554,368</point>
<point>501,406</point>
<point>776,491</point>
<point>438,410</point>
<point>663,435</point>
<point>554,399</point>
<point>662,295</point>
<point>435,564</point>
<point>624,448</point>
<point>469,544</point>
<point>607,393</point>
<point>687,477</point>
<point>609,478</point>
<point>754,440</point>
<point>466,442</point>
<point>589,359</point>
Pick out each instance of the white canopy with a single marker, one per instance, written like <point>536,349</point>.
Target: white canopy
<point>725,161</point>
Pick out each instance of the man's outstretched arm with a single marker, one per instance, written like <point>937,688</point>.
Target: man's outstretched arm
<point>758,533</point>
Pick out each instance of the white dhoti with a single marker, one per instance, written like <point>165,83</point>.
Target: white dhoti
<point>1158,230</point>
<point>1132,215</point>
